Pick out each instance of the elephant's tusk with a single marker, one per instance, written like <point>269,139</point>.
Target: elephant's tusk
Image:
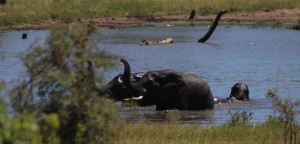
<point>127,99</point>
<point>134,98</point>
<point>120,79</point>
<point>138,98</point>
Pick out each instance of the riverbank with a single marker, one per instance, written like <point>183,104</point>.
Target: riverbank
<point>290,16</point>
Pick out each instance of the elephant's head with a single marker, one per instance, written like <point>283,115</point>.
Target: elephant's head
<point>239,91</point>
<point>152,79</point>
<point>117,89</point>
<point>153,84</point>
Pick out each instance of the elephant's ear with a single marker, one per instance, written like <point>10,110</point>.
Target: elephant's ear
<point>174,81</point>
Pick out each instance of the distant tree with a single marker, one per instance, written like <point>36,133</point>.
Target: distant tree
<point>58,82</point>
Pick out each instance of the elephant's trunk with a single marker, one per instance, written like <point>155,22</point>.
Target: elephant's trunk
<point>135,87</point>
<point>212,27</point>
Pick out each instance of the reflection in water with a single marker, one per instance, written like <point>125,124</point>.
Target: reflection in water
<point>149,114</point>
<point>220,115</point>
<point>261,58</point>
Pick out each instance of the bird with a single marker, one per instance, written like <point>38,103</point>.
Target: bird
<point>24,36</point>
<point>192,15</point>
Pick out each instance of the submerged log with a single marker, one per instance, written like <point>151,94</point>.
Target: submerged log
<point>212,27</point>
<point>164,41</point>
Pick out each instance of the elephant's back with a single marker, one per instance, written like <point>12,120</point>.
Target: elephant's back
<point>195,81</point>
<point>200,95</point>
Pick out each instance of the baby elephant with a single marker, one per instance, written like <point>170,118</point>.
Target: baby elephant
<point>239,91</point>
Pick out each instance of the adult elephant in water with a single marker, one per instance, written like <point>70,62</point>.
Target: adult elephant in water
<point>169,89</point>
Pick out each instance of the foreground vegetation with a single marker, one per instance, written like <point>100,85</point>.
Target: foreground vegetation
<point>56,103</point>
<point>35,11</point>
<point>269,133</point>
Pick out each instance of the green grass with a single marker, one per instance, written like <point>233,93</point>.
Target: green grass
<point>268,133</point>
<point>35,11</point>
<point>277,129</point>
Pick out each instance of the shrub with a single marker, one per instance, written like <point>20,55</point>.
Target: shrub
<point>286,114</point>
<point>59,82</point>
<point>240,118</point>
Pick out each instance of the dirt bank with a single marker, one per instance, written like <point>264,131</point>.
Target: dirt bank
<point>281,15</point>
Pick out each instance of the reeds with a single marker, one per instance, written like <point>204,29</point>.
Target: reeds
<point>296,26</point>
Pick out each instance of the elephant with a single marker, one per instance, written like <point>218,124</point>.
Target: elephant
<point>212,27</point>
<point>169,89</point>
<point>240,92</point>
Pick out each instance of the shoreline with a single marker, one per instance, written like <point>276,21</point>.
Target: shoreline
<point>287,16</point>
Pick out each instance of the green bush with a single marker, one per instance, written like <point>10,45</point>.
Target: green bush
<point>59,83</point>
<point>25,128</point>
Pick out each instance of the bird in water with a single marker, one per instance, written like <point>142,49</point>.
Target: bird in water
<point>24,36</point>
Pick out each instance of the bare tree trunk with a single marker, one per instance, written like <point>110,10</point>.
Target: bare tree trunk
<point>212,27</point>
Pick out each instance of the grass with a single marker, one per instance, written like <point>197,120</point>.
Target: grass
<point>269,133</point>
<point>36,11</point>
<point>278,129</point>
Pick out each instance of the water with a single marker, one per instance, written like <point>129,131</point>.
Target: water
<point>262,58</point>
<point>11,47</point>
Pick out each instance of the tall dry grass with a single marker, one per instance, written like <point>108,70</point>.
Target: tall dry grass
<point>35,11</point>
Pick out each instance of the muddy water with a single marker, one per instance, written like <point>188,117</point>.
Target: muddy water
<point>262,58</point>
